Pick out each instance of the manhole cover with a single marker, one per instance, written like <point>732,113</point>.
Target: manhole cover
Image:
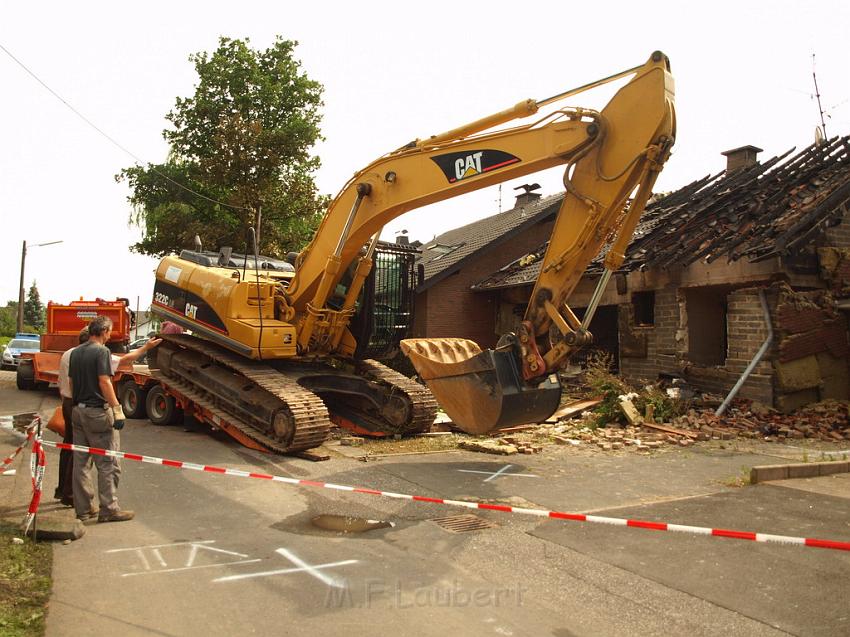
<point>463,523</point>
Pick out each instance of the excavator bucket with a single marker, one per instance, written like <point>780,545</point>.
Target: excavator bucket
<point>480,390</point>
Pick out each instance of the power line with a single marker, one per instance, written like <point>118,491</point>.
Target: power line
<point>139,161</point>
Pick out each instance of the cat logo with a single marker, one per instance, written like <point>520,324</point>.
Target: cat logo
<point>468,166</point>
<point>464,165</point>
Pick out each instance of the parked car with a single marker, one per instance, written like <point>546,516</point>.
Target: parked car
<point>12,354</point>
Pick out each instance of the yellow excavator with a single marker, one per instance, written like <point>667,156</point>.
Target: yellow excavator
<point>283,347</point>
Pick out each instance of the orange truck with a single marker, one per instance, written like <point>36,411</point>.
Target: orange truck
<point>64,322</point>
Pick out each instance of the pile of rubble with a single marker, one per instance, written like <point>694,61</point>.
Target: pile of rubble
<point>577,425</point>
<point>825,421</point>
<point>582,433</point>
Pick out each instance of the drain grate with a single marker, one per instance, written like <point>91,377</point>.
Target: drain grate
<point>463,523</point>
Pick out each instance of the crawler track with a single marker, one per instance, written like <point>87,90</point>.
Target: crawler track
<point>303,413</point>
<point>269,405</point>
<point>424,405</point>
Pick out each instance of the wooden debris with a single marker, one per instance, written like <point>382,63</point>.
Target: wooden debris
<point>575,407</point>
<point>632,414</point>
<point>671,430</point>
<point>488,446</point>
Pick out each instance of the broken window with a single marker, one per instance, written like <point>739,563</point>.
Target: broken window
<point>706,311</point>
<point>644,308</point>
<point>441,250</point>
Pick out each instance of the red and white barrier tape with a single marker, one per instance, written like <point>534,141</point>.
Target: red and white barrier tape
<point>11,458</point>
<point>558,515</point>
<point>38,461</point>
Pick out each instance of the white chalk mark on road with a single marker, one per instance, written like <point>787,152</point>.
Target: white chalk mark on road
<point>154,553</point>
<point>501,472</point>
<point>302,567</point>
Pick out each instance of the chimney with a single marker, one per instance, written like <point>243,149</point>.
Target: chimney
<point>528,196</point>
<point>402,238</point>
<point>742,157</point>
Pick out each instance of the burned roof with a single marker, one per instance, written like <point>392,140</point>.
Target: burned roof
<point>754,213</point>
<point>447,252</point>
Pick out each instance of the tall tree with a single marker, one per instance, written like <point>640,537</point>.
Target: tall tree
<point>9,319</point>
<point>240,150</point>
<point>33,309</point>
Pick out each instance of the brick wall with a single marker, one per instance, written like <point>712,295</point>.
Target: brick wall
<point>667,346</point>
<point>810,357</point>
<point>449,308</point>
<point>746,331</point>
<point>661,339</point>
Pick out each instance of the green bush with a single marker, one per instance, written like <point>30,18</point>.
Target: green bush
<point>604,384</point>
<point>664,407</point>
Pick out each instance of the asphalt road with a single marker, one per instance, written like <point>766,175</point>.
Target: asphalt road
<point>217,555</point>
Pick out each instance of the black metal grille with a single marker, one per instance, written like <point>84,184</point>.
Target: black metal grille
<point>463,523</point>
<point>385,307</point>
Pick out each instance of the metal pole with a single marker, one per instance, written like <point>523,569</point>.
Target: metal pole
<point>594,301</point>
<point>259,226</point>
<point>756,359</point>
<point>21,290</point>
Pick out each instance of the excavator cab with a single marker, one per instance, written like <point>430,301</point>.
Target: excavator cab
<point>384,313</point>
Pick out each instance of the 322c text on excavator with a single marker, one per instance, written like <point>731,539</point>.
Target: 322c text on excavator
<point>285,346</point>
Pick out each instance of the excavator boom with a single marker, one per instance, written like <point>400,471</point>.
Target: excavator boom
<point>610,153</point>
<point>607,186</point>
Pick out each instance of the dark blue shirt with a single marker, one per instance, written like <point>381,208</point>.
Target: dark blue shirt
<point>89,361</point>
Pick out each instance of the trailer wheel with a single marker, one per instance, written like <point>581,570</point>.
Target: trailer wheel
<point>161,408</point>
<point>25,376</point>
<point>132,399</point>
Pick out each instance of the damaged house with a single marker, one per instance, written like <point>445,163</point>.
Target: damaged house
<point>458,259</point>
<point>744,271</point>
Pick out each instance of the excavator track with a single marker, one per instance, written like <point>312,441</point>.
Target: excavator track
<point>424,405</point>
<point>307,412</point>
<point>309,416</point>
<point>200,399</point>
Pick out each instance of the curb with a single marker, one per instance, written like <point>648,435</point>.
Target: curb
<point>769,472</point>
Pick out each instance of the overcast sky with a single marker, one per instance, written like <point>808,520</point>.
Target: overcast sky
<point>392,72</point>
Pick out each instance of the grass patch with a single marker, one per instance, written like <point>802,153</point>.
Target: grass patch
<point>24,584</point>
<point>740,480</point>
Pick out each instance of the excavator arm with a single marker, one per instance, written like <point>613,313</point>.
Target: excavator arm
<point>612,160</point>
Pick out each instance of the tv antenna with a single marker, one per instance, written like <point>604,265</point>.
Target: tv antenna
<point>817,95</point>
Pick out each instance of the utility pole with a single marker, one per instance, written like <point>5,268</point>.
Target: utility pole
<point>21,290</point>
<point>21,286</point>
